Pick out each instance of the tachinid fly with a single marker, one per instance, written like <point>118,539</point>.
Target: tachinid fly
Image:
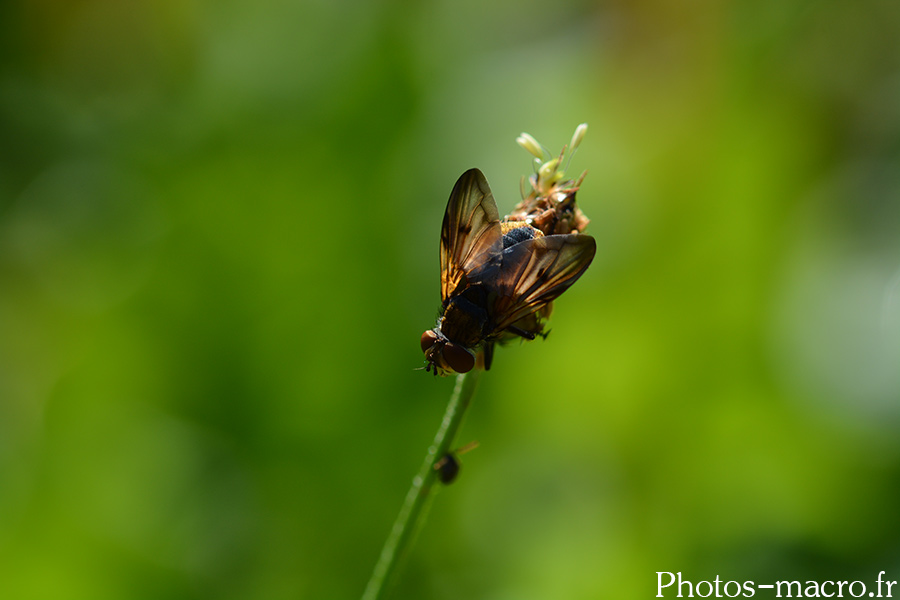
<point>497,279</point>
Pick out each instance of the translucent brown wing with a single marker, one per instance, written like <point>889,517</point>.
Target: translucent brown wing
<point>470,234</point>
<point>535,272</point>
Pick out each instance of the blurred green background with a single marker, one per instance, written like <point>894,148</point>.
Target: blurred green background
<point>219,228</point>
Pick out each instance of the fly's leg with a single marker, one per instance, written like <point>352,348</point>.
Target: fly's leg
<point>528,335</point>
<point>488,355</point>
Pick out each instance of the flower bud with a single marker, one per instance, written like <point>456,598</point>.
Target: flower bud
<point>548,171</point>
<point>530,144</point>
<point>577,136</point>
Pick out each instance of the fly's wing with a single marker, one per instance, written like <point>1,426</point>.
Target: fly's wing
<point>535,272</point>
<point>470,234</point>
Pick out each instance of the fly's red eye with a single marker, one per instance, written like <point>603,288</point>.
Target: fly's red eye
<point>459,359</point>
<point>428,340</point>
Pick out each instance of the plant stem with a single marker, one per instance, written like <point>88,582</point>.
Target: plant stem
<point>418,499</point>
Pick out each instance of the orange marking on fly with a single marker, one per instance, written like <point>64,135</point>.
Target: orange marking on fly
<point>507,226</point>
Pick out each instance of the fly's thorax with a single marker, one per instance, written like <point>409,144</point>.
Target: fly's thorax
<point>465,319</point>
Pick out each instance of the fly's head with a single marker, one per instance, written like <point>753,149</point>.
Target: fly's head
<point>444,357</point>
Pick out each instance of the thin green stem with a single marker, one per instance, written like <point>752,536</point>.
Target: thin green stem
<point>418,499</point>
